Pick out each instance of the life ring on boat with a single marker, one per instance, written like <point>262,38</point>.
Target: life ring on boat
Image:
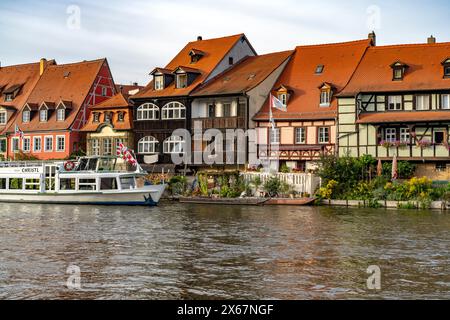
<point>69,165</point>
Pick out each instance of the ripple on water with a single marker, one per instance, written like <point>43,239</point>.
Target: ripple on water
<point>216,252</point>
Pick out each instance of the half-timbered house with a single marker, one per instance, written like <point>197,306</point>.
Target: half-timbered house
<point>398,104</point>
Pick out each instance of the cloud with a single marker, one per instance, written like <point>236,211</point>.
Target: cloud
<point>136,36</point>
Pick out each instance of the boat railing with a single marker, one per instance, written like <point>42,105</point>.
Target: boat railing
<point>24,164</point>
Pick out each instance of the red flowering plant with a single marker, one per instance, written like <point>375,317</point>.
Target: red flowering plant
<point>424,144</point>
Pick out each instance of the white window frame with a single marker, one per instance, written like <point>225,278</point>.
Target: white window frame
<point>178,80</point>
<point>174,145</point>
<point>323,134</point>
<point>3,115</point>
<point>158,82</point>
<point>147,111</point>
<point>107,146</point>
<point>325,97</point>
<point>41,110</point>
<point>45,144</point>
<point>283,98</point>
<point>95,147</point>
<point>26,150</point>
<point>397,101</point>
<point>35,144</point>
<point>173,111</point>
<point>148,145</point>
<point>57,143</point>
<point>60,111</point>
<point>274,136</point>
<point>404,135</point>
<point>302,135</point>
<point>15,141</point>
<point>390,135</point>
<point>443,106</point>
<point>26,111</point>
<point>423,102</point>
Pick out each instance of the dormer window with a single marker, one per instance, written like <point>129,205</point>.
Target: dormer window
<point>446,65</point>
<point>196,55</point>
<point>283,98</point>
<point>60,113</point>
<point>159,82</point>
<point>326,94</point>
<point>43,114</point>
<point>182,80</point>
<point>230,61</point>
<point>26,115</point>
<point>96,117</point>
<point>108,116</point>
<point>3,118</point>
<point>9,97</point>
<point>121,117</point>
<point>399,70</point>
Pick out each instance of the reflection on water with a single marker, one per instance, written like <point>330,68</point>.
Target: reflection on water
<point>216,252</point>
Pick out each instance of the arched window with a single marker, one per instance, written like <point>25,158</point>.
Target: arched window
<point>147,145</point>
<point>174,144</point>
<point>173,111</point>
<point>148,111</point>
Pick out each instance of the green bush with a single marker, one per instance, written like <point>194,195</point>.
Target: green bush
<point>178,185</point>
<point>273,186</point>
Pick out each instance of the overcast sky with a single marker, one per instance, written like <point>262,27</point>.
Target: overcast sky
<point>137,36</point>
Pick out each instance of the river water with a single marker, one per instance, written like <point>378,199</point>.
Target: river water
<point>179,251</point>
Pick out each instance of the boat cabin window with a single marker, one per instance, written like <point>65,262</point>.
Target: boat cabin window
<point>107,164</point>
<point>15,184</point>
<point>3,183</point>
<point>87,185</point>
<point>67,184</point>
<point>108,184</point>
<point>32,184</point>
<point>127,183</point>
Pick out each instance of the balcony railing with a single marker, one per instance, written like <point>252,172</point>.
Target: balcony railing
<point>221,123</point>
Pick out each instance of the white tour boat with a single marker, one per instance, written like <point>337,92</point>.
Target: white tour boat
<point>88,180</point>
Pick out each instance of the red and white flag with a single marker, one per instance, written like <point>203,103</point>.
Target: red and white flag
<point>126,154</point>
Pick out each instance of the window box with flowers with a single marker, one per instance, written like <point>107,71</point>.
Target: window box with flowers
<point>386,144</point>
<point>424,144</point>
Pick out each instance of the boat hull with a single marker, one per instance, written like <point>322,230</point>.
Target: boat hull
<point>146,196</point>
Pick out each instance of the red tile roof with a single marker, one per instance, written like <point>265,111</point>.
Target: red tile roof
<point>127,88</point>
<point>425,71</point>
<point>26,75</point>
<point>120,100</point>
<point>116,104</point>
<point>65,82</point>
<point>245,75</point>
<point>215,50</point>
<point>399,117</point>
<point>339,60</point>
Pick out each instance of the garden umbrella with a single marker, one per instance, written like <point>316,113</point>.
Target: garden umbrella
<point>379,168</point>
<point>394,168</point>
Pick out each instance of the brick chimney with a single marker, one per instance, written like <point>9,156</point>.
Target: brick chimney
<point>42,66</point>
<point>372,36</point>
<point>431,40</point>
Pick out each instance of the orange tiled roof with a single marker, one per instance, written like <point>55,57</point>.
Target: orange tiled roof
<point>425,71</point>
<point>214,49</point>
<point>406,116</point>
<point>65,82</point>
<point>245,75</point>
<point>120,100</point>
<point>127,88</point>
<point>339,60</point>
<point>116,104</point>
<point>26,75</point>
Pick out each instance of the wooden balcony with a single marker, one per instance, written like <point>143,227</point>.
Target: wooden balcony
<point>221,123</point>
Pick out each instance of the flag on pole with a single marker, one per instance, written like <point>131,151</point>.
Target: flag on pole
<point>126,154</point>
<point>277,104</point>
<point>18,132</point>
